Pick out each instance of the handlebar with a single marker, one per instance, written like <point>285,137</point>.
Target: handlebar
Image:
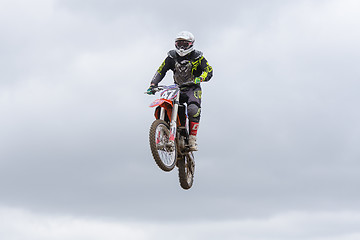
<point>163,87</point>
<point>157,89</point>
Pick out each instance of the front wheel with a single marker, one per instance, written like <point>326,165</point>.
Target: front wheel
<point>186,170</point>
<point>163,151</point>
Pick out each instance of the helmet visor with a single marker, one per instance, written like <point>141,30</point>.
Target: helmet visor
<point>183,44</point>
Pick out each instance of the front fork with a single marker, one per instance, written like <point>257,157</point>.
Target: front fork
<point>173,123</point>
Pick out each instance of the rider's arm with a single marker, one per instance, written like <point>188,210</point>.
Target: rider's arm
<point>161,72</point>
<point>207,70</point>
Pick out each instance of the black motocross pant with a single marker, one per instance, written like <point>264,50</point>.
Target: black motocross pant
<point>192,97</point>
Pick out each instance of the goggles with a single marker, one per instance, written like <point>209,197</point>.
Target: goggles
<point>184,44</point>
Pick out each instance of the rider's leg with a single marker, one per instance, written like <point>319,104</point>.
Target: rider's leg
<point>194,110</point>
<point>194,119</point>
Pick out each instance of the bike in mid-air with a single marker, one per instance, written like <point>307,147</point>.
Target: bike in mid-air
<point>169,134</point>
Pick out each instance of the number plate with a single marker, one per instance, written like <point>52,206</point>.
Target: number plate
<point>169,94</point>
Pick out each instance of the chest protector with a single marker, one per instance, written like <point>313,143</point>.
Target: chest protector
<point>183,71</point>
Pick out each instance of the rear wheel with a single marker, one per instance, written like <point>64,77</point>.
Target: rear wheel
<point>163,151</point>
<point>186,170</point>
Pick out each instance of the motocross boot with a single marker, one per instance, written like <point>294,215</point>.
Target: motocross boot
<point>194,126</point>
<point>192,143</point>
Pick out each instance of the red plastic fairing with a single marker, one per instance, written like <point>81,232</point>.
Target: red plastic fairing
<point>159,102</point>
<point>163,103</point>
<point>167,104</point>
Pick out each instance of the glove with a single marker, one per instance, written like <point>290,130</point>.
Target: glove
<point>151,90</point>
<point>198,80</point>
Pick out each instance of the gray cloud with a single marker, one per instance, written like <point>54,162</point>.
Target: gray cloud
<point>279,130</point>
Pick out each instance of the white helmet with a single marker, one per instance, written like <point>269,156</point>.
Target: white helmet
<point>184,43</point>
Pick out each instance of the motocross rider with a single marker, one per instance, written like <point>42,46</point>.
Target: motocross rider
<point>188,66</point>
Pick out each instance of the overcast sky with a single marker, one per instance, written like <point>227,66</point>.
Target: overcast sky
<point>279,154</point>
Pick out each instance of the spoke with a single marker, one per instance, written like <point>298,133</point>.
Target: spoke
<point>166,156</point>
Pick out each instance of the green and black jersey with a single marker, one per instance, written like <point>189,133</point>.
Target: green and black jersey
<point>185,68</point>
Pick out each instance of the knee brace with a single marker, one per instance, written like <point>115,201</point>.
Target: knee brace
<point>194,112</point>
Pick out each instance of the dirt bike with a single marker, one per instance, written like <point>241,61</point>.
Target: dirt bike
<point>169,134</point>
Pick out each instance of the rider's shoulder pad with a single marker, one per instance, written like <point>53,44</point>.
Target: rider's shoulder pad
<point>197,54</point>
<point>172,54</point>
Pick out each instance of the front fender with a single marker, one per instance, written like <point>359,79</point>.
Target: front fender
<point>162,103</point>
